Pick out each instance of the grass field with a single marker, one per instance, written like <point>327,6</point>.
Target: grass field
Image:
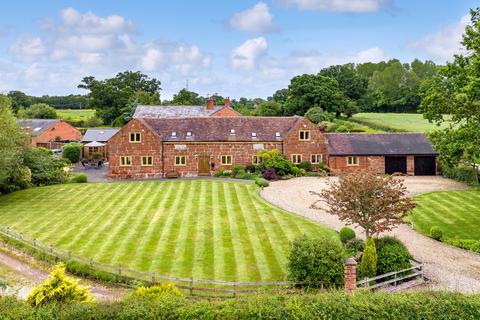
<point>205,229</point>
<point>75,114</point>
<point>397,121</point>
<point>456,213</point>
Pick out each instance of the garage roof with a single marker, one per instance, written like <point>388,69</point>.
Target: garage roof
<point>379,144</point>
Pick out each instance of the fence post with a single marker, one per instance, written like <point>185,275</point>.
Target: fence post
<point>350,272</point>
<point>191,286</point>
<point>69,255</point>
<point>153,278</point>
<point>234,288</point>
<point>119,270</point>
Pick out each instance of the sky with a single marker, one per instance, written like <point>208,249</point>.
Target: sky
<point>232,48</point>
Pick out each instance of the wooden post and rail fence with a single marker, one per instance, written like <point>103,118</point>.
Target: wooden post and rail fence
<point>208,287</point>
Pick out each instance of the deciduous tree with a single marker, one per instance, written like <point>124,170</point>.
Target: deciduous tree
<point>377,203</point>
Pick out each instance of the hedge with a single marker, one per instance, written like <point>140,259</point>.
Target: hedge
<point>460,173</point>
<point>333,305</point>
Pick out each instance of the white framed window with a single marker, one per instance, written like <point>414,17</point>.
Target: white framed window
<point>316,158</point>
<point>353,161</point>
<point>180,161</point>
<point>226,160</point>
<point>135,137</point>
<point>296,158</point>
<point>304,135</point>
<point>147,161</point>
<point>125,161</point>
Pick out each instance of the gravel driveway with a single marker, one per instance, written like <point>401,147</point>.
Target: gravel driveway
<point>448,267</point>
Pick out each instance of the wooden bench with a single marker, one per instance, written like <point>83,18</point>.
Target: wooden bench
<point>171,175</point>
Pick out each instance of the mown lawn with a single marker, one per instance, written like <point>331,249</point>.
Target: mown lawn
<point>205,229</point>
<point>456,213</point>
<point>411,122</point>
<point>75,114</point>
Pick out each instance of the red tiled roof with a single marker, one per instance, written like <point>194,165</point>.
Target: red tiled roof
<point>220,128</point>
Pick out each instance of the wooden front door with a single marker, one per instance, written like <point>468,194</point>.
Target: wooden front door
<point>204,166</point>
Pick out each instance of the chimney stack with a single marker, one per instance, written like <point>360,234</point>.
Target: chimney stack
<point>226,102</point>
<point>210,103</point>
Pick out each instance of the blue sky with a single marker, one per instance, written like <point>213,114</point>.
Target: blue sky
<point>233,48</point>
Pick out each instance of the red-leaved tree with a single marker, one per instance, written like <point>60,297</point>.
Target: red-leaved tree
<point>375,202</point>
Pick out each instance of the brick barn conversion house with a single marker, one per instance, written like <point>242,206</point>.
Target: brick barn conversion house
<point>50,133</point>
<point>186,141</point>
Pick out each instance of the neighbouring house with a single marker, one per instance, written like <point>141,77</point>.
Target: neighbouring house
<point>96,141</point>
<point>406,153</point>
<point>207,110</point>
<point>50,133</point>
<point>200,146</point>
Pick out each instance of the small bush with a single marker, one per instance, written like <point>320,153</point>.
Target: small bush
<point>305,165</point>
<point>156,292</point>
<point>80,178</point>
<point>59,288</point>
<point>242,174</point>
<point>270,174</point>
<point>316,261</point>
<point>236,169</point>
<point>72,151</point>
<point>346,234</point>
<point>368,265</point>
<point>223,173</point>
<point>392,255</point>
<point>468,244</point>
<point>355,246</point>
<point>436,233</point>
<point>261,182</point>
<point>96,155</point>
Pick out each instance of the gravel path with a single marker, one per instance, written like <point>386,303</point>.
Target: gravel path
<point>36,276</point>
<point>448,267</point>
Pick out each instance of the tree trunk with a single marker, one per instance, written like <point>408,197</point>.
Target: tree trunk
<point>367,233</point>
<point>337,114</point>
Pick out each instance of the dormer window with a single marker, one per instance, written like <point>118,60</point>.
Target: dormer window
<point>254,134</point>
<point>277,134</point>
<point>232,131</point>
<point>174,134</point>
<point>189,134</point>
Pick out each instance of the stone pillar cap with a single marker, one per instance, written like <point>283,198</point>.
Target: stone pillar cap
<point>350,262</point>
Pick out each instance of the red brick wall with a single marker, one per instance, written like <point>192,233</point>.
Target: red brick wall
<point>410,165</point>
<point>338,164</point>
<point>150,145</point>
<point>242,154</point>
<point>316,144</point>
<point>61,129</point>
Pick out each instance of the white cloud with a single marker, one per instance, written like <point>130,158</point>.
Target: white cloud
<point>444,43</point>
<point>28,46</point>
<point>246,55</point>
<point>336,5</point>
<point>257,19</point>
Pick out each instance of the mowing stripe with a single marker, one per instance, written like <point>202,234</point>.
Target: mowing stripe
<point>208,270</point>
<point>218,241</point>
<point>197,268</point>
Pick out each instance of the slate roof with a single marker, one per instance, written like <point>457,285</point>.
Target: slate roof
<point>99,135</point>
<point>218,129</point>
<point>157,112</point>
<point>37,125</point>
<point>379,144</point>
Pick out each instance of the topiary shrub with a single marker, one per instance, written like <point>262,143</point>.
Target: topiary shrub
<point>261,182</point>
<point>346,234</point>
<point>156,292</point>
<point>59,288</point>
<point>80,178</point>
<point>72,151</point>
<point>316,261</point>
<point>368,265</point>
<point>436,233</point>
<point>392,255</point>
<point>305,165</point>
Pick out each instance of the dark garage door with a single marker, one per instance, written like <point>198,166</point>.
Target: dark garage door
<point>395,164</point>
<point>425,166</point>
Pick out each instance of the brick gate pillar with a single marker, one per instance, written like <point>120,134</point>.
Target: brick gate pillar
<point>350,271</point>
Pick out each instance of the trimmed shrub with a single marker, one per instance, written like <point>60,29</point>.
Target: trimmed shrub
<point>242,174</point>
<point>223,173</point>
<point>261,182</point>
<point>59,288</point>
<point>368,265</point>
<point>305,165</point>
<point>346,234</point>
<point>316,261</point>
<point>80,178</point>
<point>72,151</point>
<point>156,292</point>
<point>392,255</point>
<point>436,233</point>
<point>468,244</point>
<point>460,173</point>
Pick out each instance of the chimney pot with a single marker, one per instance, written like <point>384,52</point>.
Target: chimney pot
<point>210,103</point>
<point>227,102</point>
